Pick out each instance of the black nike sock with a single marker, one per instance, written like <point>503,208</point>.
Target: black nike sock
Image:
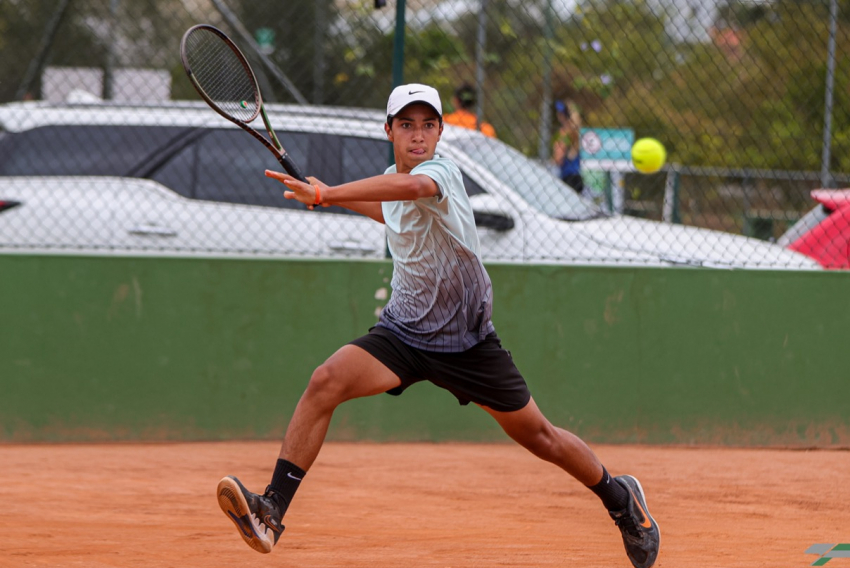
<point>614,495</point>
<point>285,481</point>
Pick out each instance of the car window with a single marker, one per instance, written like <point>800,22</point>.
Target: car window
<point>542,190</point>
<point>226,165</point>
<point>82,149</point>
<point>472,188</point>
<point>229,167</point>
<point>363,157</point>
<point>806,223</point>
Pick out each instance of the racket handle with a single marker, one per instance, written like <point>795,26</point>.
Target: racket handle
<point>290,167</point>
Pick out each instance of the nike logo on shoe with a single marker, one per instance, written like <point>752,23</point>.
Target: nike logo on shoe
<point>645,523</point>
<point>269,522</point>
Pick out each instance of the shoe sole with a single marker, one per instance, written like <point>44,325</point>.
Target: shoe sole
<point>642,496</point>
<point>235,506</point>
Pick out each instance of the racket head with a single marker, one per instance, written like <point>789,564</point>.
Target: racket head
<point>220,73</point>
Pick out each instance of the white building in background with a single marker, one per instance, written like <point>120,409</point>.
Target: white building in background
<point>690,21</point>
<point>85,84</point>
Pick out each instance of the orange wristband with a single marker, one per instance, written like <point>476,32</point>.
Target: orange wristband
<point>318,195</point>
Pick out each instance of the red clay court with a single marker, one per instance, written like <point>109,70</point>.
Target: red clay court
<point>411,505</point>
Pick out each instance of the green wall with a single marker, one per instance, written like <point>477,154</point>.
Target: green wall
<point>135,348</point>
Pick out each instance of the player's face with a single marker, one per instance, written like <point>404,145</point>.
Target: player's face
<point>415,132</point>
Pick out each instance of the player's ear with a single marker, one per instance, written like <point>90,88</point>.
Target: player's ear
<point>389,132</point>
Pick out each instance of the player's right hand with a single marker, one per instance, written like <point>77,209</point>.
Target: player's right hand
<point>305,193</point>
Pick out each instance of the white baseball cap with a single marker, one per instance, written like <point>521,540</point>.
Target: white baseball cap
<point>413,93</point>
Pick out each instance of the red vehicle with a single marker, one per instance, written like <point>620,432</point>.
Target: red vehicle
<point>824,232</point>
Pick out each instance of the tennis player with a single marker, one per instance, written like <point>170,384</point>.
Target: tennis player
<point>436,327</point>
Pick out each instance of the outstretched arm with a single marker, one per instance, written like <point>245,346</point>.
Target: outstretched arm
<point>363,196</point>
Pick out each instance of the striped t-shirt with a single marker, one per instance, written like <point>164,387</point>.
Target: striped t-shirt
<point>442,297</point>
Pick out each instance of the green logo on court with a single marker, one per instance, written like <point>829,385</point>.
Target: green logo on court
<point>828,551</point>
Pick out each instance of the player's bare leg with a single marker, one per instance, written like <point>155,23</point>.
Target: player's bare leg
<point>623,496</point>
<point>529,428</point>
<point>349,373</point>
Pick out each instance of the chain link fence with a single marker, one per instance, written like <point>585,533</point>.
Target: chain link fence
<point>105,146</point>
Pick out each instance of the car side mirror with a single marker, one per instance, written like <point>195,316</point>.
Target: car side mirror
<point>491,212</point>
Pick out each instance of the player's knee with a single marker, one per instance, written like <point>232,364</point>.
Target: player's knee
<point>327,385</point>
<point>539,440</point>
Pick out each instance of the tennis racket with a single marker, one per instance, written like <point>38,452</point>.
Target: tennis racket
<point>225,80</point>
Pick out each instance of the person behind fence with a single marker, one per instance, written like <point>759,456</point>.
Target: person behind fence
<point>566,152</point>
<point>464,115</point>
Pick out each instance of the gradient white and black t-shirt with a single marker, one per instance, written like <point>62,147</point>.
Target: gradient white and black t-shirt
<point>442,296</point>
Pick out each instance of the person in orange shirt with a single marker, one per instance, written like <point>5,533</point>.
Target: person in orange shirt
<point>566,152</point>
<point>464,114</point>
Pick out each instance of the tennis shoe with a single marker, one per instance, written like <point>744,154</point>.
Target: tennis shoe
<point>256,516</point>
<point>640,531</point>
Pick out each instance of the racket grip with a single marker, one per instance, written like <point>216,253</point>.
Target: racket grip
<point>291,168</point>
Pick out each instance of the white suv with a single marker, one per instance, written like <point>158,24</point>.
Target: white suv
<point>178,179</point>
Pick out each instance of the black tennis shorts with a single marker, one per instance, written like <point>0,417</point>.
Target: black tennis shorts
<point>484,374</point>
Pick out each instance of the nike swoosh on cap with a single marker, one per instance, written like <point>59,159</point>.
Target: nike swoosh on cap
<point>414,92</point>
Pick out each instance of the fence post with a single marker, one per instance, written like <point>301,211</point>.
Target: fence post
<point>398,44</point>
<point>755,225</point>
<point>319,62</point>
<point>546,103</point>
<point>825,180</point>
<point>480,54</point>
<point>606,189</point>
<point>108,92</point>
<point>670,212</point>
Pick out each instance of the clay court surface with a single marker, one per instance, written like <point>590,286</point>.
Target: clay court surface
<point>411,505</point>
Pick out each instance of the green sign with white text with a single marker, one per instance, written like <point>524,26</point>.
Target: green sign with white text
<point>613,144</point>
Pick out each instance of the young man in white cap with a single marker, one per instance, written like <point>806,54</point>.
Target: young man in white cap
<point>436,327</point>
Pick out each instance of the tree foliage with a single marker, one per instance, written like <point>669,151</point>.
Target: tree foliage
<point>751,96</point>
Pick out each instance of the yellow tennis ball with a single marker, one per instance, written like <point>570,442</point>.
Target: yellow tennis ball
<point>648,155</point>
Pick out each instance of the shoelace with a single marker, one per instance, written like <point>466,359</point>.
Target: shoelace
<point>628,524</point>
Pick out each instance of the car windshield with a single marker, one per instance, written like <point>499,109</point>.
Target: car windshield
<point>808,222</point>
<point>536,184</point>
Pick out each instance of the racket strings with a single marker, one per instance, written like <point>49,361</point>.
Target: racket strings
<point>222,75</point>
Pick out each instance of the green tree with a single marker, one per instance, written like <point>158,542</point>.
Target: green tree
<point>22,30</point>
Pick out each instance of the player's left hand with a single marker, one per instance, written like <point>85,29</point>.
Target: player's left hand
<point>300,191</point>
